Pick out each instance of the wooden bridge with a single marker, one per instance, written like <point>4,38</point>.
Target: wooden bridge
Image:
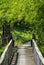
<point>25,55</point>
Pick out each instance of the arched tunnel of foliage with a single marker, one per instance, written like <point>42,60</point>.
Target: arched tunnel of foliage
<point>25,14</point>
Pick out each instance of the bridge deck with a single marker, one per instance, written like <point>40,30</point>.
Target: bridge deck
<point>25,55</point>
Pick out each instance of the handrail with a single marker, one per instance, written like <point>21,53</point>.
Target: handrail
<point>3,55</point>
<point>37,52</point>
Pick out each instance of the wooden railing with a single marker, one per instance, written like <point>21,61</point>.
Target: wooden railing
<point>39,59</point>
<point>6,57</point>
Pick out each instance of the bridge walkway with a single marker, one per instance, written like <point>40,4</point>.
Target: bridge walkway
<point>25,56</point>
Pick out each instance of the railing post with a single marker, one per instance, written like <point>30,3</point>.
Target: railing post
<point>33,37</point>
<point>31,43</point>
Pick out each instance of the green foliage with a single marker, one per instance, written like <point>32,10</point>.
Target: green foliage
<point>25,14</point>
<point>16,10</point>
<point>2,49</point>
<point>21,36</point>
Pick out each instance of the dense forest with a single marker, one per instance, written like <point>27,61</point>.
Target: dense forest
<point>25,14</point>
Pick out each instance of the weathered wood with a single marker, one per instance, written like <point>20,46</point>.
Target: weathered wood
<point>7,55</point>
<point>39,59</point>
<point>25,55</point>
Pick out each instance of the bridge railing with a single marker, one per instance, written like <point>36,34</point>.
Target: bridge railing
<point>39,59</point>
<point>6,57</point>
